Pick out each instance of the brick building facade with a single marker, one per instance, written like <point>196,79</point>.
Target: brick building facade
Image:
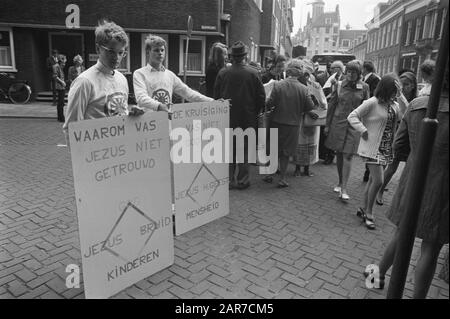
<point>34,32</point>
<point>28,36</point>
<point>403,33</point>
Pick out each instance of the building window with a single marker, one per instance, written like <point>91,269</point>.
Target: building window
<point>144,55</point>
<point>418,29</point>
<point>335,29</point>
<point>444,14</point>
<point>327,21</point>
<point>383,38</point>
<point>7,62</point>
<point>327,39</point>
<point>388,36</point>
<point>345,43</point>
<point>327,30</point>
<point>394,33</point>
<point>408,33</point>
<point>195,56</point>
<point>397,41</point>
<point>276,36</point>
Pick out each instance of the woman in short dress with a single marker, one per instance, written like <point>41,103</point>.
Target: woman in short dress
<point>409,93</point>
<point>341,137</point>
<point>376,120</point>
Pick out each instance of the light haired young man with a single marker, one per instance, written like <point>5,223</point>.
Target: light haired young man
<point>154,84</point>
<point>101,91</point>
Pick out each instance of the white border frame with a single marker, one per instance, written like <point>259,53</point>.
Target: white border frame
<point>143,53</point>
<point>181,53</point>
<point>13,55</point>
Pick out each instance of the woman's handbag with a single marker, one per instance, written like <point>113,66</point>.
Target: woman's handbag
<point>320,121</point>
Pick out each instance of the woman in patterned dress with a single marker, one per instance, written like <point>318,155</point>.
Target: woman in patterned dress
<point>376,120</point>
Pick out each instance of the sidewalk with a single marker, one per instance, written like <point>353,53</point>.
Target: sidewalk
<point>299,242</point>
<point>29,110</point>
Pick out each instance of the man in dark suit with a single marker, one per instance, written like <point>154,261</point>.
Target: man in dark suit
<point>51,62</point>
<point>370,77</point>
<point>372,80</point>
<point>241,84</point>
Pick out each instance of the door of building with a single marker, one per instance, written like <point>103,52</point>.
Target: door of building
<point>69,44</point>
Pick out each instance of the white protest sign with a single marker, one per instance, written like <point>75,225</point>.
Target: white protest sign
<point>201,188</point>
<point>123,195</point>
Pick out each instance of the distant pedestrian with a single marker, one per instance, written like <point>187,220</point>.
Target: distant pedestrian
<point>427,70</point>
<point>341,137</point>
<point>218,55</point>
<point>60,85</point>
<point>51,61</point>
<point>276,71</point>
<point>75,70</point>
<point>290,100</point>
<point>242,85</point>
<point>320,75</point>
<point>101,91</point>
<point>376,120</point>
<point>337,74</point>
<point>372,79</point>
<point>154,85</point>
<point>433,222</point>
<point>409,85</point>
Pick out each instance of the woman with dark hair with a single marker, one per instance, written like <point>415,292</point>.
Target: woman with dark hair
<point>376,120</point>
<point>341,137</point>
<point>409,92</point>
<point>216,61</point>
<point>433,223</point>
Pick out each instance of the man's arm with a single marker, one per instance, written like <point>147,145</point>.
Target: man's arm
<point>187,93</point>
<point>78,100</point>
<point>140,92</point>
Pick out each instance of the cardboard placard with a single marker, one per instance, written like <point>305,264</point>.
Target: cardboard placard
<point>200,189</point>
<point>122,185</point>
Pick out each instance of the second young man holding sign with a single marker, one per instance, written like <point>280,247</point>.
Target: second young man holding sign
<point>154,84</point>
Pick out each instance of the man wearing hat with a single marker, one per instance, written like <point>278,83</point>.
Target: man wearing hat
<point>242,85</point>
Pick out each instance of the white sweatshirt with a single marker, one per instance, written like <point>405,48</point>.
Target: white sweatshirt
<point>97,92</point>
<point>152,87</point>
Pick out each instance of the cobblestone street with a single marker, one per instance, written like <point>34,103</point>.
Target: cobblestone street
<point>298,242</point>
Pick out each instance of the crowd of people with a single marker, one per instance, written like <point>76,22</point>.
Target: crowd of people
<point>342,112</point>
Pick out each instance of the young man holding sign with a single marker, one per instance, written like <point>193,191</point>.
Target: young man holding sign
<point>101,91</point>
<point>154,84</point>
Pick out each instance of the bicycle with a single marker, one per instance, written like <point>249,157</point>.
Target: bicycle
<point>18,91</point>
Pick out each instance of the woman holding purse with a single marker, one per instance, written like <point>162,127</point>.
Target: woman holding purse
<point>376,120</point>
<point>307,152</point>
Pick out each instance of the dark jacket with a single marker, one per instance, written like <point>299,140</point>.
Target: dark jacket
<point>290,99</point>
<point>433,221</point>
<point>50,62</point>
<point>241,84</point>
<point>372,81</point>
<point>210,79</point>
